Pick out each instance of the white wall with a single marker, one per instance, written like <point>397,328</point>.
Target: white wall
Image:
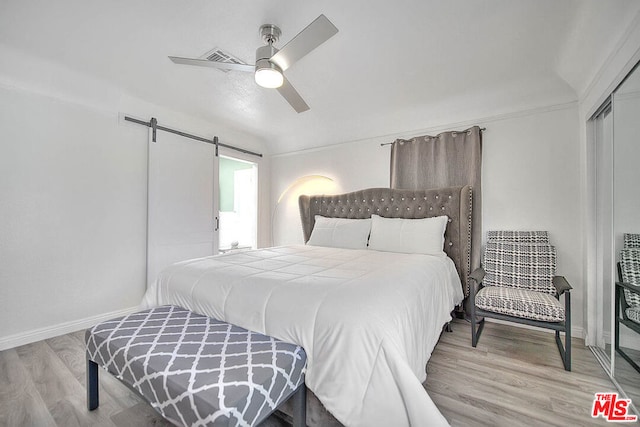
<point>73,197</point>
<point>351,166</point>
<point>73,192</point>
<point>530,180</point>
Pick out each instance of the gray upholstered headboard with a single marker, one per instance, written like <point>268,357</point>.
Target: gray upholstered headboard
<point>455,202</point>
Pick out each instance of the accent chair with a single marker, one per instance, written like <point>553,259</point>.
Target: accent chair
<point>518,283</point>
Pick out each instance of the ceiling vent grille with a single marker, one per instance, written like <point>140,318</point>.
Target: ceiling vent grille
<point>218,55</point>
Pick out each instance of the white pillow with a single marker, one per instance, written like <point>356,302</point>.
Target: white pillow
<point>409,236</point>
<point>340,233</point>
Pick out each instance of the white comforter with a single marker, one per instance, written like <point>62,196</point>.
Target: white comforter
<point>367,320</point>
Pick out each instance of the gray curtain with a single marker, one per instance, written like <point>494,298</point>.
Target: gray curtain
<point>445,160</point>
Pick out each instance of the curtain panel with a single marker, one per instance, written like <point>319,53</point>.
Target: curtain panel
<point>447,159</point>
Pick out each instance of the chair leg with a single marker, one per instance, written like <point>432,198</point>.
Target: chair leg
<point>476,327</point>
<point>567,332</point>
<point>567,363</point>
<point>474,338</point>
<point>617,319</point>
<point>565,352</point>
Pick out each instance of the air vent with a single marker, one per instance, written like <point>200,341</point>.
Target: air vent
<point>218,55</point>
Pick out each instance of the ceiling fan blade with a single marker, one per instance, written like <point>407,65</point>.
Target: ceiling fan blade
<point>213,64</point>
<point>292,96</point>
<point>316,33</point>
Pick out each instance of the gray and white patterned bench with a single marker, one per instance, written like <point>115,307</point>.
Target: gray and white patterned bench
<point>195,370</point>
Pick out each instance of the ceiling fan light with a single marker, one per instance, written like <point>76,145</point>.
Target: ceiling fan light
<point>269,78</point>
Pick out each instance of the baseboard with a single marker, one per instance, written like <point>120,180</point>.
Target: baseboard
<point>40,334</point>
<point>576,332</point>
<point>628,339</point>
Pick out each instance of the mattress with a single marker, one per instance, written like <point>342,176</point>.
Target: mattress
<point>368,320</point>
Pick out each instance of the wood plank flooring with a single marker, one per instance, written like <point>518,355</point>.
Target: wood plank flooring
<point>626,375</point>
<point>513,377</point>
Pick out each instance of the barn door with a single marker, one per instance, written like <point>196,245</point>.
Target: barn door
<point>182,201</point>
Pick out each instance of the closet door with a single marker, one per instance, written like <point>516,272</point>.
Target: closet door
<point>182,211</point>
<point>626,219</point>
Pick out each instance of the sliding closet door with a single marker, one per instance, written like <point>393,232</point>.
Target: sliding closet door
<point>182,204</point>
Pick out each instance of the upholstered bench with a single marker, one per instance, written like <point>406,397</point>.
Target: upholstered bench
<point>197,370</point>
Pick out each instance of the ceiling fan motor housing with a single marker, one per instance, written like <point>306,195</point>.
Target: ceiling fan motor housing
<point>263,54</point>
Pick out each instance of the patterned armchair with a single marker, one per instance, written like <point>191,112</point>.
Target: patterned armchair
<point>627,295</point>
<point>517,283</point>
<point>631,241</point>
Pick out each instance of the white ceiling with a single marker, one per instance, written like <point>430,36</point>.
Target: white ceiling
<point>394,66</point>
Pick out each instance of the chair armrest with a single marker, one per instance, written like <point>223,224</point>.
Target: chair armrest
<point>475,282</point>
<point>477,275</point>
<point>561,284</point>
<point>633,288</point>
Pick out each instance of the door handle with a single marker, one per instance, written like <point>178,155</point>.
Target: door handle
<point>217,224</point>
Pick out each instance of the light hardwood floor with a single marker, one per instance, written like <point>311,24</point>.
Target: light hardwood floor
<point>626,375</point>
<point>514,377</point>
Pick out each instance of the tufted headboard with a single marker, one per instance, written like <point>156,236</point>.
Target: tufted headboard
<point>455,202</point>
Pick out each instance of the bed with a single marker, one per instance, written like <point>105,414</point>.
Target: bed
<point>368,319</point>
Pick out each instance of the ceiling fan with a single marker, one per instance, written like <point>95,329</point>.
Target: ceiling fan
<point>271,62</point>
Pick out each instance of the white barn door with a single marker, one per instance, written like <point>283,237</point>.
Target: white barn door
<point>182,206</point>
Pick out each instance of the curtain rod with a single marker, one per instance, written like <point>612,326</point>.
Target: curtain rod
<point>153,123</point>
<point>390,143</point>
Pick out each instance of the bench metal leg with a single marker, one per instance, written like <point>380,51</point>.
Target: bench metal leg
<point>92,385</point>
<point>300,407</point>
